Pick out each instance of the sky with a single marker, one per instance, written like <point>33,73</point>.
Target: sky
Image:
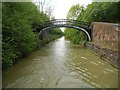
<point>61,7</point>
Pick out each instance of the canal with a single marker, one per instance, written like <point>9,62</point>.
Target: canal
<point>61,64</point>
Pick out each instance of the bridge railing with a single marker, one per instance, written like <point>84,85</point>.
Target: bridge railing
<point>68,22</point>
<point>63,22</point>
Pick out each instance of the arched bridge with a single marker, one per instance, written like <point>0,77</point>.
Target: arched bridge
<point>69,23</point>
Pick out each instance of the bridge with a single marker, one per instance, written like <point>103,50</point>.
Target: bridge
<point>69,23</point>
<point>105,36</point>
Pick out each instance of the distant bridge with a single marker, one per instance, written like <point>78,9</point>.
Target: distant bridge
<point>69,23</point>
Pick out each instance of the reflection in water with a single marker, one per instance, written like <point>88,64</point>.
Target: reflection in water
<point>59,48</point>
<point>61,64</point>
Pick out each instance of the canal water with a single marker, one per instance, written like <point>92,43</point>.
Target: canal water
<point>61,64</point>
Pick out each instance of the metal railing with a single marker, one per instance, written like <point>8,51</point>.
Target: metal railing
<point>63,23</point>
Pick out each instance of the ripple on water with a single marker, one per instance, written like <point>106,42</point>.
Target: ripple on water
<point>84,58</point>
<point>61,64</point>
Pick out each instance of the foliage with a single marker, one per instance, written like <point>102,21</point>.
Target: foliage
<point>56,31</point>
<point>51,34</point>
<point>74,35</point>
<point>74,11</point>
<point>18,37</point>
<point>101,12</point>
<point>94,12</point>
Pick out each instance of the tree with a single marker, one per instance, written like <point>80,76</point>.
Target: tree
<point>75,35</point>
<point>44,6</point>
<point>18,38</point>
<point>101,12</point>
<point>75,11</point>
<point>94,12</point>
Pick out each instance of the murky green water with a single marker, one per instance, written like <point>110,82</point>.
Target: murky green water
<point>61,64</point>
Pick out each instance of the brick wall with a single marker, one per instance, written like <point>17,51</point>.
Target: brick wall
<point>105,35</point>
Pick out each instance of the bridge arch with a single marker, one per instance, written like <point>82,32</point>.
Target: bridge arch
<point>67,23</point>
<point>75,27</point>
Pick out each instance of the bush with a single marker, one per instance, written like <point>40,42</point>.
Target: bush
<point>18,36</point>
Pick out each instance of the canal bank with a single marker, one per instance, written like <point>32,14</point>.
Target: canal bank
<point>105,54</point>
<point>106,41</point>
<point>61,64</point>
